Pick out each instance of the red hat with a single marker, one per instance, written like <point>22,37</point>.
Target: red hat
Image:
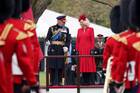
<point>82,17</point>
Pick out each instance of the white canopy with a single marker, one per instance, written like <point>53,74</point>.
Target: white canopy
<point>48,18</point>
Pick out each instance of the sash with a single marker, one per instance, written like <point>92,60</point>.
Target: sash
<point>56,35</point>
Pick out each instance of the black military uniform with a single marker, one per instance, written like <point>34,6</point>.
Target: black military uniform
<point>59,42</point>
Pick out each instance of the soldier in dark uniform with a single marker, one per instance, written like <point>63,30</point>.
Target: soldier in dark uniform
<point>59,38</point>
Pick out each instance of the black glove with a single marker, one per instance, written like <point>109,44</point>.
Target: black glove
<point>114,87</point>
<point>114,84</point>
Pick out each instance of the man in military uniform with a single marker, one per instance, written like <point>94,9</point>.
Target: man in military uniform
<point>59,38</point>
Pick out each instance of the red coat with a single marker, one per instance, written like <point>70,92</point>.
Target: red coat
<point>84,44</point>
<point>16,41</point>
<point>127,60</point>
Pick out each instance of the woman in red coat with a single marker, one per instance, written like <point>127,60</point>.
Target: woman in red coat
<point>84,44</point>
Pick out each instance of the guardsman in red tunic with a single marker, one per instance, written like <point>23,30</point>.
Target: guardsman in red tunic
<point>113,43</point>
<point>30,27</point>
<point>124,4</point>
<point>128,60</point>
<point>117,26</point>
<point>16,41</point>
<point>21,24</point>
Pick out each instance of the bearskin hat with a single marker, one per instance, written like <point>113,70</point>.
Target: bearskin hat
<point>17,9</point>
<point>115,19</point>
<point>115,23</point>
<point>25,5</point>
<point>124,12</point>
<point>6,9</point>
<point>134,11</point>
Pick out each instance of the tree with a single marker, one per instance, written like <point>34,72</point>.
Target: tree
<point>105,3</point>
<point>39,6</point>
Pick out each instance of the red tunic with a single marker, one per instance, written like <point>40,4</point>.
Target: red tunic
<point>29,28</point>
<point>116,50</point>
<point>112,48</point>
<point>84,44</point>
<point>108,50</point>
<point>127,61</point>
<point>16,41</point>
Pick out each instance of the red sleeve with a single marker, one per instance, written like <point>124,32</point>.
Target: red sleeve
<point>121,63</point>
<point>3,86</point>
<point>36,51</point>
<point>77,41</point>
<point>92,38</point>
<point>23,50</point>
<point>106,53</point>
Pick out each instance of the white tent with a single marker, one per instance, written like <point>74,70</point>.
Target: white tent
<point>48,18</point>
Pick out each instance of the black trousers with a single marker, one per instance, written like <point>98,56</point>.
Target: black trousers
<point>88,78</point>
<point>56,76</point>
<point>18,88</point>
<point>70,76</point>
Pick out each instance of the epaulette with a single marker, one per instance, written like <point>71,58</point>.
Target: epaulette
<point>116,37</point>
<point>21,35</point>
<point>124,38</point>
<point>5,33</point>
<point>136,46</point>
<point>29,25</point>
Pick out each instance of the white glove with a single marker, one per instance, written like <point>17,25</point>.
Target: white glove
<point>65,49</point>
